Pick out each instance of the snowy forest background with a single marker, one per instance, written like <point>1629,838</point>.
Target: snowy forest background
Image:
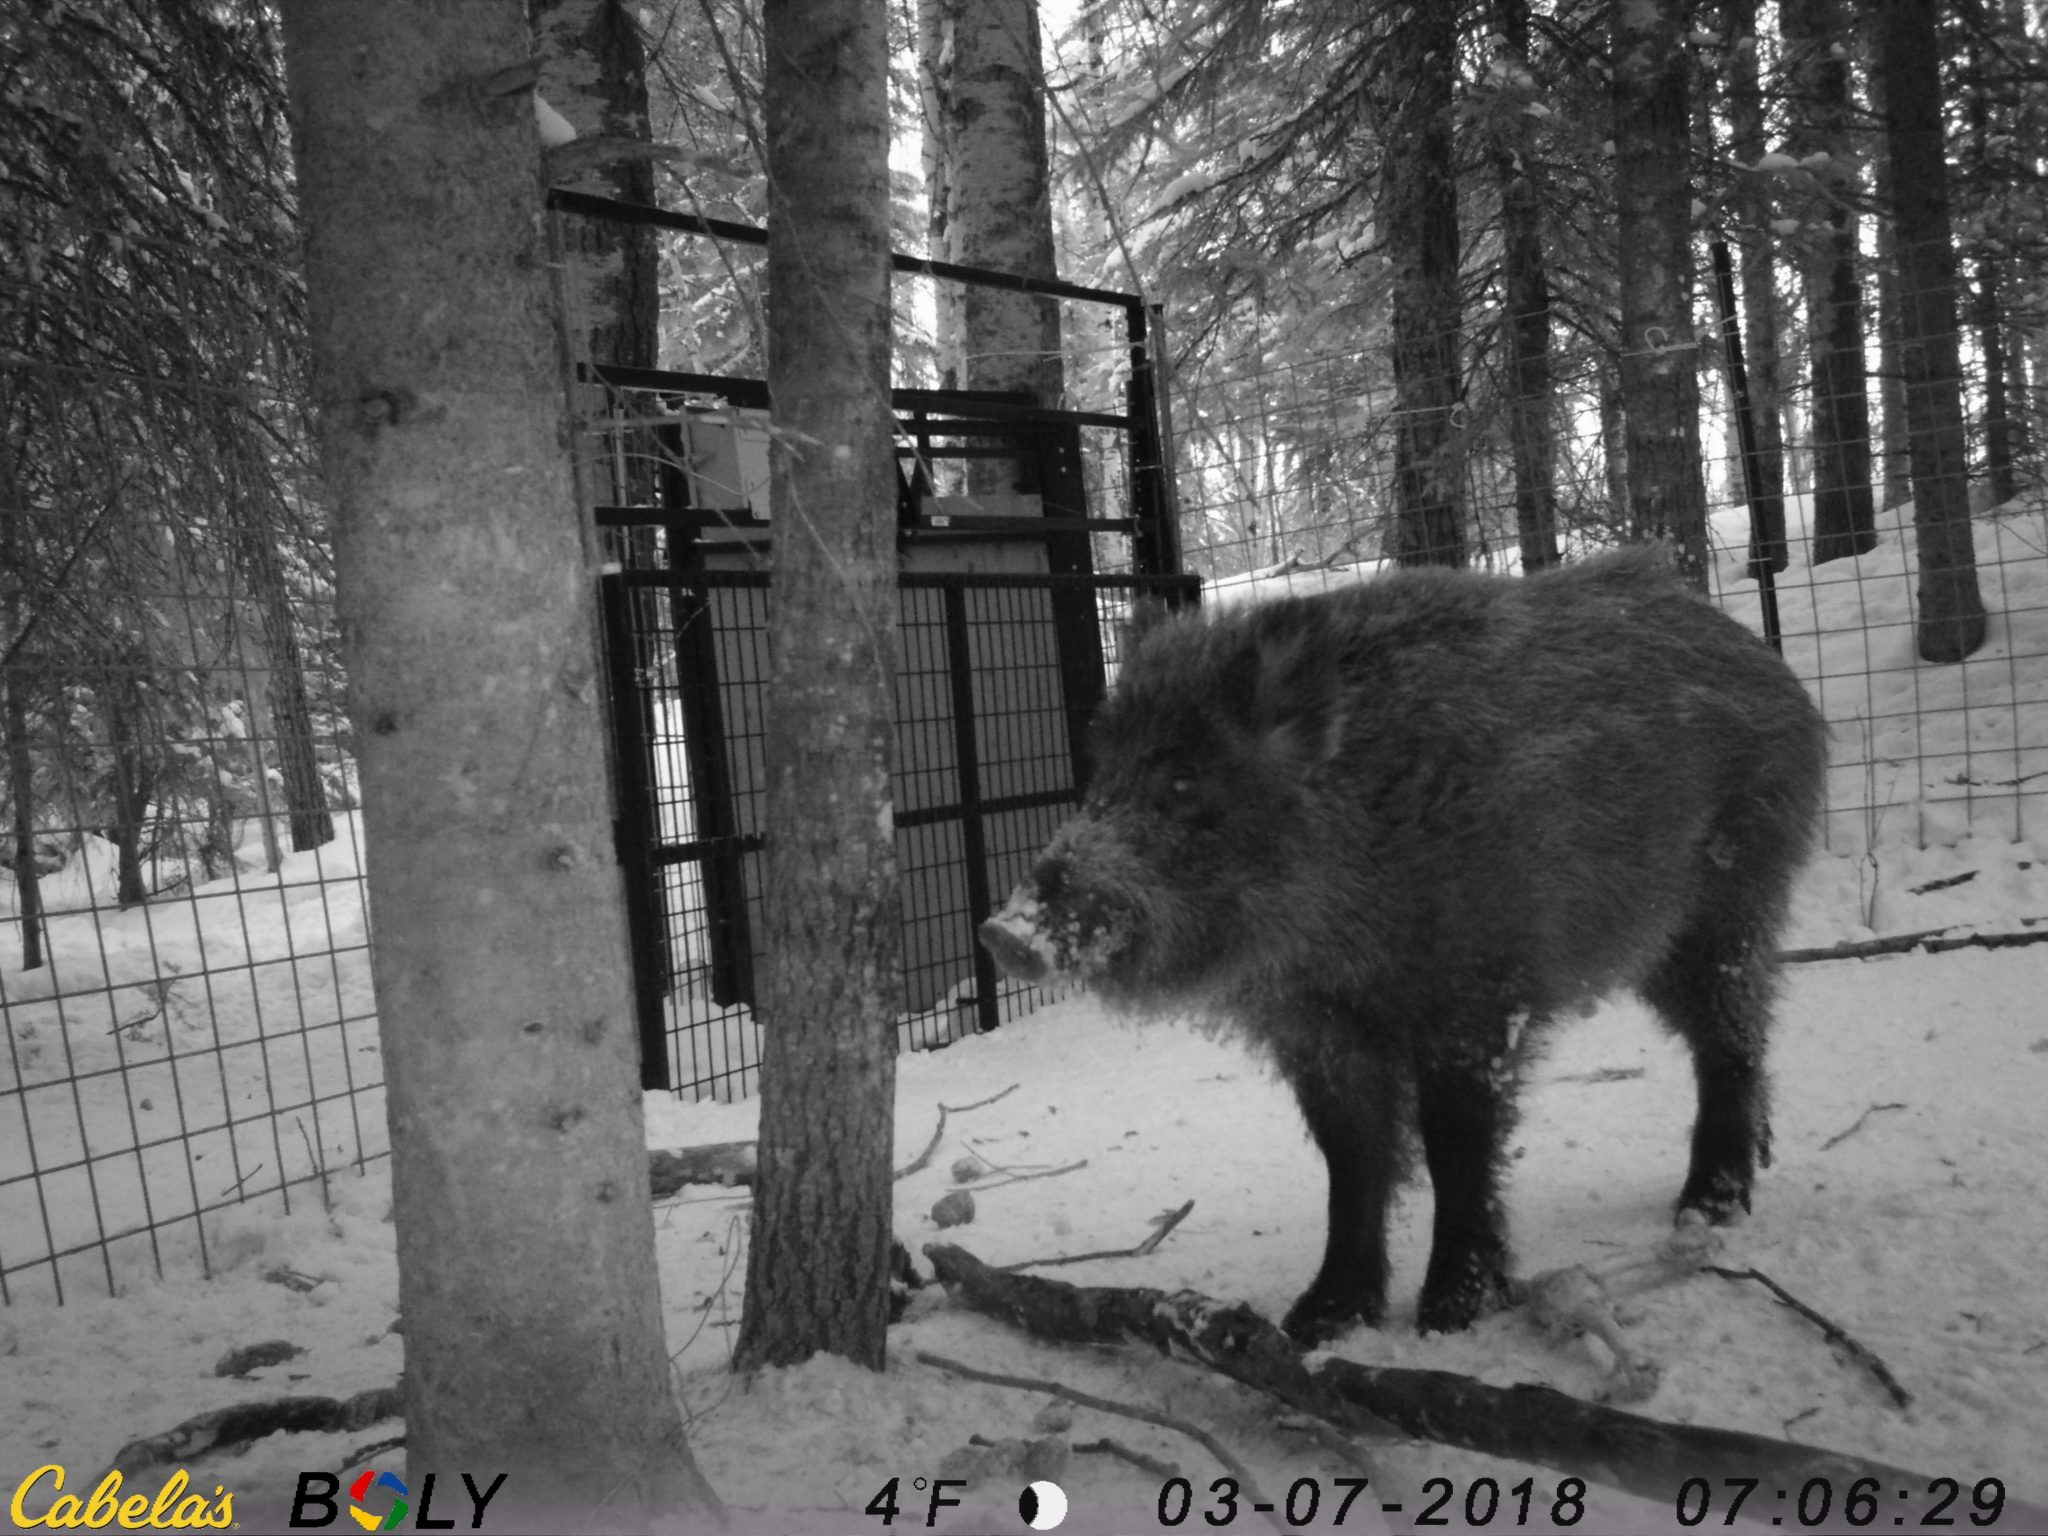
<point>1356,218</point>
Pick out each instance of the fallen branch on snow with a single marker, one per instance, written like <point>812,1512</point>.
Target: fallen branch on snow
<point>729,1163</point>
<point>238,1424</point>
<point>1538,1424</point>
<point>1933,940</point>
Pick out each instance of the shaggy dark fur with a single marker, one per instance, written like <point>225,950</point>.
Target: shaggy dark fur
<point>1393,831</point>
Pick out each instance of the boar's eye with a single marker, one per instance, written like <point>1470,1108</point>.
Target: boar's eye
<point>1188,802</point>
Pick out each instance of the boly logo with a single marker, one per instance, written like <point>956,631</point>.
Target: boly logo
<point>170,1508</point>
<point>315,1504</point>
<point>362,1485</point>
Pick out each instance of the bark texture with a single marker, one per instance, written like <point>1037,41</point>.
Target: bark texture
<point>1894,459</point>
<point>1659,350</point>
<point>1419,194</point>
<point>593,71</point>
<point>1987,309</point>
<point>533,1331</point>
<point>1758,266</point>
<point>1822,138</point>
<point>818,1264</point>
<point>291,711</point>
<point>1525,294</point>
<point>992,196</point>
<point>1951,621</point>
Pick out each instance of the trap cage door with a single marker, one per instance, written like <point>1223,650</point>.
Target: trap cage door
<point>1001,659</point>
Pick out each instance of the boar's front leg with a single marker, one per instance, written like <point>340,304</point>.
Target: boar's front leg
<point>1353,1100</point>
<point>1464,1107</point>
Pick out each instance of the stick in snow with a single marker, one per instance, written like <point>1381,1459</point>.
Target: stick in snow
<point>939,1130</point>
<point>1834,1332</point>
<point>1841,1136</point>
<point>1162,1225</point>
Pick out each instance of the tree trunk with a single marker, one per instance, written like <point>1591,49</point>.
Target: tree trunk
<point>1988,314</point>
<point>1759,288</point>
<point>818,1264</point>
<point>21,791</point>
<point>1613,441</point>
<point>533,1329</point>
<point>936,24</point>
<point>996,191</point>
<point>14,678</point>
<point>593,71</point>
<point>1817,66</point>
<point>1951,620</point>
<point>1659,353</point>
<point>131,774</point>
<point>1987,309</point>
<point>1415,81</point>
<point>291,714</point>
<point>1894,455</point>
<point>1525,284</point>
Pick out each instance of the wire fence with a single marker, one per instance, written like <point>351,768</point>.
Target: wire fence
<point>1288,483</point>
<point>184,942</point>
<point>185,979</point>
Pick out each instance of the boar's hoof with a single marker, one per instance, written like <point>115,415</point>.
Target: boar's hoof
<point>1020,958</point>
<point>1455,1308</point>
<point>1320,1316</point>
<point>1721,1199</point>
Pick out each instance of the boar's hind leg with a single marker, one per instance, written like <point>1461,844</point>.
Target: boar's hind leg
<point>1715,989</point>
<point>1352,1102</point>
<point>1465,1109</point>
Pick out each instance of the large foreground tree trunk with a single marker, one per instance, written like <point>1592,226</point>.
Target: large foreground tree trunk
<point>1951,620</point>
<point>1660,386</point>
<point>533,1331</point>
<point>818,1265</point>
<point>1416,79</point>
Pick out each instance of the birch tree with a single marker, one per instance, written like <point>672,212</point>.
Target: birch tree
<point>991,194</point>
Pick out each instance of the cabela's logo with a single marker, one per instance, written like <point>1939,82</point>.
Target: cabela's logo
<point>170,1508</point>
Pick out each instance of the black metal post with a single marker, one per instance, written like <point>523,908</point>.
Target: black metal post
<point>967,763</point>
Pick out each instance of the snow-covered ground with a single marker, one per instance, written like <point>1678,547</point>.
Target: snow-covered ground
<point>1907,1200</point>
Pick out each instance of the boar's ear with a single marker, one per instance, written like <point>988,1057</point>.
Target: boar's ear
<point>1148,611</point>
<point>1299,712</point>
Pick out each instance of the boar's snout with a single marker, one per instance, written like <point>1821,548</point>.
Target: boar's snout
<point>1015,936</point>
